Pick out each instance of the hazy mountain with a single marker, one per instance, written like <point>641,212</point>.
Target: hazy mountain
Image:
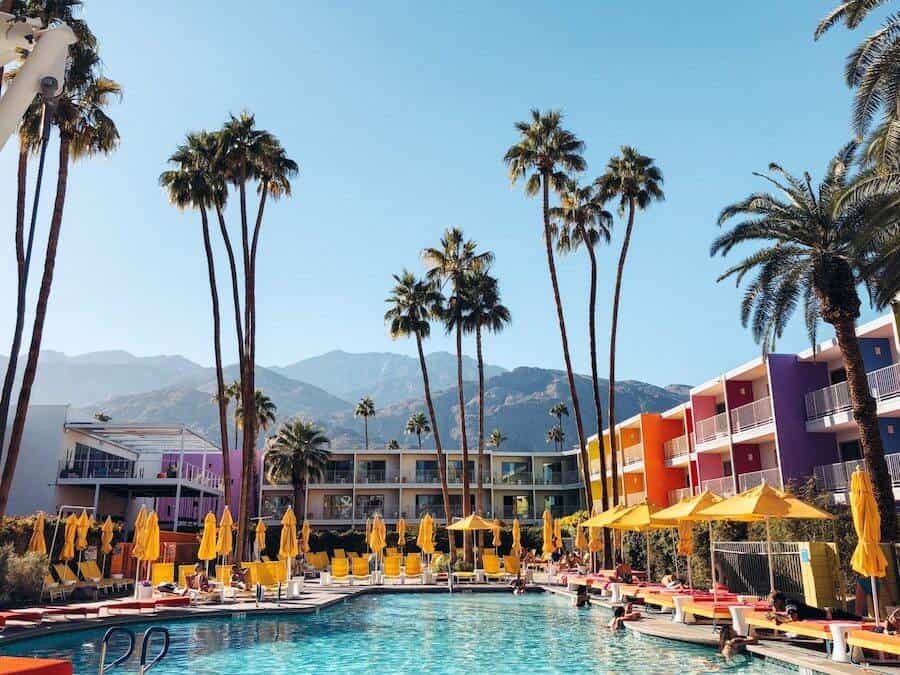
<point>387,378</point>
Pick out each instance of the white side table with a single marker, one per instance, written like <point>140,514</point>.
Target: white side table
<point>739,619</point>
<point>325,578</point>
<point>615,590</point>
<point>680,601</point>
<point>839,650</point>
<point>479,576</point>
<point>294,587</point>
<point>427,576</point>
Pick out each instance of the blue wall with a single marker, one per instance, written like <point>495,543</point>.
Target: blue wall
<point>891,441</point>
<point>871,360</point>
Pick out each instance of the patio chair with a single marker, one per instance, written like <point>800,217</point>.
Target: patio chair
<point>413,568</point>
<point>392,568</point>
<point>360,571</point>
<point>340,570</point>
<point>53,589</point>
<point>91,573</point>
<point>492,568</point>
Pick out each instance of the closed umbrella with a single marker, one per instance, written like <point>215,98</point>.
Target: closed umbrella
<point>68,547</point>
<point>868,558</point>
<point>37,543</point>
<point>425,541</point>
<point>207,550</point>
<point>106,537</point>
<point>547,547</point>
<point>377,537</point>
<point>260,538</point>
<point>81,542</point>
<point>304,540</point>
<point>401,534</point>
<point>496,532</point>
<point>151,547</point>
<point>368,531</point>
<point>557,533</point>
<point>595,544</point>
<point>581,542</point>
<point>139,544</point>
<point>224,537</point>
<point>516,538</point>
<point>289,547</point>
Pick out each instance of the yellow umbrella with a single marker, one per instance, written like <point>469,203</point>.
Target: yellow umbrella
<point>603,518</point>
<point>868,558</point>
<point>289,547</point>
<point>557,532</point>
<point>496,530</point>
<point>516,538</point>
<point>138,527</point>
<point>401,534</point>
<point>547,547</point>
<point>686,539</point>
<point>304,536</point>
<point>208,539</point>
<point>581,542</point>
<point>84,524</point>
<point>260,537</point>
<point>376,536</point>
<point>151,546</point>
<point>595,544</point>
<point>684,513</point>
<point>368,530</point>
<point>37,543</point>
<point>224,538</point>
<point>68,548</point>
<point>641,518</point>
<point>106,536</point>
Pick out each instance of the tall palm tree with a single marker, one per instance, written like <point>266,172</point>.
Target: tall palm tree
<point>484,311</point>
<point>233,393</point>
<point>365,409</point>
<point>85,130</point>
<point>413,303</point>
<point>418,424</point>
<point>542,157</point>
<point>817,245</point>
<point>265,412</point>
<point>556,436</point>
<point>582,221</point>
<point>452,262</point>
<point>193,183</point>
<point>102,417</point>
<point>496,439</point>
<point>393,444</point>
<point>559,410</point>
<point>634,181</point>
<point>299,453</point>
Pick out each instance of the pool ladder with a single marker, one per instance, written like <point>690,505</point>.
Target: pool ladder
<point>145,642</point>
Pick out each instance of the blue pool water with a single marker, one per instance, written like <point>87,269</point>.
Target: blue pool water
<point>422,633</point>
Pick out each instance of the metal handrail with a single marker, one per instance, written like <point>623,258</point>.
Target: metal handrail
<point>105,643</point>
<point>165,649</point>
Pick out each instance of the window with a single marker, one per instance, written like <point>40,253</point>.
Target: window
<point>338,471</point>
<point>839,375</point>
<point>726,468</point>
<point>369,505</point>
<point>551,472</point>
<point>372,471</point>
<point>433,504</point>
<point>720,408</point>
<point>274,506</point>
<point>456,504</point>
<point>427,471</point>
<point>849,450</point>
<point>337,507</point>
<point>515,473</point>
<point>89,462</point>
<point>516,506</point>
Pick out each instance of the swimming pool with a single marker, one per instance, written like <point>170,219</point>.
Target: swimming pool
<point>460,633</point>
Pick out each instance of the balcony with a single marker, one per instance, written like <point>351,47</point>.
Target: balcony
<point>375,477</point>
<point>884,384</point>
<point>633,455</point>
<point>120,470</point>
<point>595,466</point>
<point>427,477</point>
<point>724,486</point>
<point>675,449</point>
<point>634,498</point>
<point>521,478</point>
<point>752,415</point>
<point>771,477</point>
<point>676,496</point>
<point>510,512</point>
<point>836,476</point>
<point>558,478</point>
<point>339,476</point>
<point>712,428</point>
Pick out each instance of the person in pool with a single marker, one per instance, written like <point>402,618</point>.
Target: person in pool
<point>731,644</point>
<point>623,571</point>
<point>582,597</point>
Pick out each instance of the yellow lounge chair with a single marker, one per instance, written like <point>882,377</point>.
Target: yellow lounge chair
<point>492,568</point>
<point>338,553</point>
<point>160,573</point>
<point>390,552</point>
<point>92,574</point>
<point>53,589</point>
<point>223,574</point>
<point>361,571</point>
<point>512,564</point>
<point>183,572</point>
<point>392,568</point>
<point>340,569</point>
<point>875,642</point>
<point>413,567</point>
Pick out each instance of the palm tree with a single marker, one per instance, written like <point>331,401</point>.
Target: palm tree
<point>484,311</point>
<point>452,262</point>
<point>393,444</point>
<point>556,436</point>
<point>418,424</point>
<point>817,246</point>
<point>582,220</point>
<point>633,180</point>
<point>365,409</point>
<point>544,154</point>
<point>559,410</point>
<point>299,453</point>
<point>85,130</point>
<point>233,393</point>
<point>193,184</point>
<point>413,304</point>
<point>265,411</point>
<point>496,439</point>
<point>102,417</point>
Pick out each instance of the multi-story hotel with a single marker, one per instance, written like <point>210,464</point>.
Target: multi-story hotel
<point>778,419</point>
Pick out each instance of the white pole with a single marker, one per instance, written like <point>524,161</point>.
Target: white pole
<point>712,562</point>
<point>875,600</point>
<point>769,555</point>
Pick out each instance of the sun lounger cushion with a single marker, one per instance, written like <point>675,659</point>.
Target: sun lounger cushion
<point>866,639</point>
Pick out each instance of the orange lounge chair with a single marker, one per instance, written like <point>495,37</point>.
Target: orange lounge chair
<point>875,642</point>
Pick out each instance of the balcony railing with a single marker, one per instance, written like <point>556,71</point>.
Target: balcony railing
<point>884,384</point>
<point>522,478</point>
<point>375,476</point>
<point>771,477</point>
<point>676,496</point>
<point>633,498</point>
<point>752,415</point>
<point>510,512</point>
<point>117,469</point>
<point>675,448</point>
<point>341,476</point>
<point>712,428</point>
<point>431,477</point>
<point>633,454</point>
<point>837,476</point>
<point>724,486</point>
<point>557,478</point>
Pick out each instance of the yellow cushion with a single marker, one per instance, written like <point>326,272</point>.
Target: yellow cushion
<point>360,567</point>
<point>340,567</point>
<point>161,573</point>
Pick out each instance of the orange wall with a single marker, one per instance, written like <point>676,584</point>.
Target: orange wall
<point>660,478</point>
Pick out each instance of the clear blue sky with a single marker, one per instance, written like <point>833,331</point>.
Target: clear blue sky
<point>399,115</point>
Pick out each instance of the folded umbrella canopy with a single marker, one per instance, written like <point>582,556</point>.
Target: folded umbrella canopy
<point>401,534</point>
<point>38,543</point>
<point>425,540</point>
<point>377,535</point>
<point>495,526</point>
<point>581,542</point>
<point>68,547</point>
<point>225,535</point>
<point>207,550</point>
<point>260,535</point>
<point>516,538</point>
<point>289,547</point>
<point>547,548</point>
<point>106,536</point>
<point>868,558</point>
<point>557,533</point>
<point>151,545</point>
<point>84,524</point>
<point>304,536</point>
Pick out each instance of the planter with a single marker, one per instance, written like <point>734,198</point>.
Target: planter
<point>144,592</point>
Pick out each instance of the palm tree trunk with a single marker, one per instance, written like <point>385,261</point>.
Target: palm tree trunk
<point>297,483</point>
<point>234,291</point>
<point>217,345</point>
<point>419,438</point>
<point>479,495</point>
<point>866,415</point>
<point>612,355</point>
<point>438,450</point>
<point>247,380</point>
<point>598,405</point>
<point>366,429</point>
<point>12,364</point>
<point>551,264</point>
<point>467,546</point>
<point>37,331</point>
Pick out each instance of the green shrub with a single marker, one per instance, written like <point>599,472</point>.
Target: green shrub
<point>21,576</point>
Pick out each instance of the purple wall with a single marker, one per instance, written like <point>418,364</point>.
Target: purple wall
<point>799,451</point>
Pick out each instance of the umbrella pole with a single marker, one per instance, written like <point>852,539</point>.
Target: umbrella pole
<point>712,562</point>
<point>647,542</point>
<point>875,601</point>
<point>769,556</point>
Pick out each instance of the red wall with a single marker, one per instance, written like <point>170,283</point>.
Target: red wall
<point>746,458</point>
<point>734,394</point>
<point>704,406</point>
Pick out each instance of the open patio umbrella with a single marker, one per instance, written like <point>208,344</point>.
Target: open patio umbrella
<point>547,547</point>
<point>225,535</point>
<point>868,558</point>
<point>304,536</point>
<point>106,537</point>
<point>207,550</point>
<point>516,538</point>
<point>641,518</point>
<point>471,523</point>
<point>289,547</point>
<point>260,536</point>
<point>401,534</point>
<point>68,547</point>
<point>495,527</point>
<point>685,513</point>
<point>37,543</point>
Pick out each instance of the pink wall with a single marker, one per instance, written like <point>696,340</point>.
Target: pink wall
<point>704,406</point>
<point>709,465</point>
<point>746,458</point>
<point>738,393</point>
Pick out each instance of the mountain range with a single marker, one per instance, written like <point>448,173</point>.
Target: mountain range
<point>325,388</point>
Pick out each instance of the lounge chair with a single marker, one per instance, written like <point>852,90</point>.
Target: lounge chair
<point>91,574</point>
<point>391,551</point>
<point>875,642</point>
<point>340,570</point>
<point>183,572</point>
<point>512,564</point>
<point>392,568</point>
<point>67,578</point>
<point>161,573</point>
<point>413,568</point>
<point>223,574</point>
<point>492,568</point>
<point>360,571</point>
<point>338,553</point>
<point>53,589</point>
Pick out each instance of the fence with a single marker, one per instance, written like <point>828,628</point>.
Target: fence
<point>743,567</point>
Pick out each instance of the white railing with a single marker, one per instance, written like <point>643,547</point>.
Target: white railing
<point>712,428</point>
<point>676,496</point>
<point>595,466</point>
<point>771,477</point>
<point>884,384</point>
<point>837,476</point>
<point>724,486</point>
<point>752,415</point>
<point>633,498</point>
<point>633,454</point>
<point>675,448</point>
